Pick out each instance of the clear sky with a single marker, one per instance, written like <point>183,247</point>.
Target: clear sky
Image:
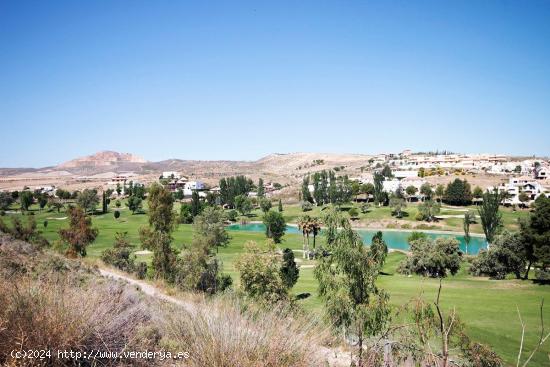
<point>238,80</point>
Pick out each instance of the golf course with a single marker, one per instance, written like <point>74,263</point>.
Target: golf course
<point>489,308</point>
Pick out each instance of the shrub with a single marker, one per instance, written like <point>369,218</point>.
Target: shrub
<point>353,213</point>
<point>45,224</point>
<point>232,215</point>
<point>434,258</point>
<point>48,313</point>
<point>542,274</point>
<point>306,206</point>
<point>289,270</point>
<point>141,270</point>
<point>226,332</point>
<point>24,231</point>
<point>502,258</point>
<point>185,217</point>
<point>120,255</point>
<point>197,270</point>
<point>260,274</point>
<point>116,214</point>
<point>365,207</point>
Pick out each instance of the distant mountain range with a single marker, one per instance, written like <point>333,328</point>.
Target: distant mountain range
<point>105,158</point>
<point>291,166</point>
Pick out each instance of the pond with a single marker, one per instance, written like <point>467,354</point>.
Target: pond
<point>396,240</point>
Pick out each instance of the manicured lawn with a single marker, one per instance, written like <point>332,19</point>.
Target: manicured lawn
<point>378,214</point>
<point>487,307</point>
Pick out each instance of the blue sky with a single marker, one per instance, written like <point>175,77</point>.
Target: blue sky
<point>238,80</point>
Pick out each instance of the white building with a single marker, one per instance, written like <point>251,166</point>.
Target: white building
<point>390,186</point>
<point>403,174</point>
<point>517,185</point>
<point>192,186</point>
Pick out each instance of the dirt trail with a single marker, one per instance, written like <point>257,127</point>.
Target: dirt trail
<point>150,290</point>
<point>334,357</point>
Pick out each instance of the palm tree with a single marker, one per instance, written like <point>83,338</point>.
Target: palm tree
<point>469,218</point>
<point>304,224</point>
<point>315,228</point>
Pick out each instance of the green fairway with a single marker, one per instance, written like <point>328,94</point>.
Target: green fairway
<point>487,307</point>
<point>382,216</point>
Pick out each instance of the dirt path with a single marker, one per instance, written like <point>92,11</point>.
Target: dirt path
<point>334,357</point>
<point>149,290</point>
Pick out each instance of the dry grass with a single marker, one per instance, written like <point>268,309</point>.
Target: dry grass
<point>51,313</point>
<point>47,302</point>
<point>225,332</point>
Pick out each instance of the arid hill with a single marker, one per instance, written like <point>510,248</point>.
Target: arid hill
<point>288,169</point>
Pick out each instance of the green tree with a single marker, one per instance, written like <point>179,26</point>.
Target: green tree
<point>80,232</point>
<point>469,218</point>
<point>428,210</point>
<point>88,200</point>
<point>42,201</point>
<point>134,204</point>
<point>426,191</point>
<point>120,255</point>
<point>306,194</point>
<point>210,225</point>
<point>378,248</point>
<point>55,204</point>
<point>505,256</point>
<point>161,209</point>
<point>5,201</point>
<point>280,206</point>
<point>478,192</point>
<point>536,236</point>
<point>289,270</point>
<point>116,214</point>
<point>178,194</point>
<point>386,172</point>
<point>439,192</point>
<point>243,204</point>
<point>157,237</point>
<point>232,215</point>
<point>260,273</point>
<point>379,196</point>
<point>347,283</point>
<point>104,204</point>
<point>261,188</point>
<point>304,225</point>
<point>265,204</point>
<point>355,189</point>
<point>185,214</point>
<point>353,213</point>
<point>491,218</point>
<point>397,204</point>
<point>411,191</point>
<point>367,189</point>
<point>434,258</point>
<point>275,226</point>
<point>26,199</point>
<point>315,225</point>
<point>458,192</point>
<point>164,256</point>
<point>196,205</point>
